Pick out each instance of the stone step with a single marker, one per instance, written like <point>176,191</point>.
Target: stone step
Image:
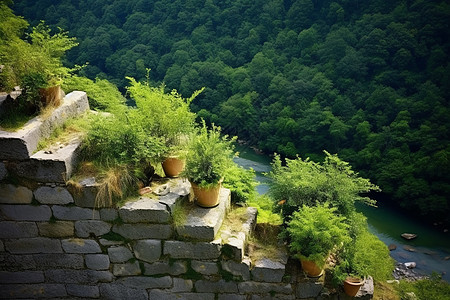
<point>20,145</point>
<point>203,224</point>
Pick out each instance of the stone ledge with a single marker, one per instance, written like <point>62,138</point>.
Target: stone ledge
<point>202,224</point>
<point>145,210</point>
<point>21,144</point>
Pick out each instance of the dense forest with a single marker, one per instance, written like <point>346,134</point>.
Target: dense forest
<point>368,80</point>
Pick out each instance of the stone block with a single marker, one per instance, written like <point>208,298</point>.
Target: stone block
<point>12,263</point>
<point>190,250</point>
<point>252,287</point>
<point>97,261</point>
<point>67,261</point>
<point>11,194</point>
<point>53,195</point>
<point>74,213</point>
<point>80,246</point>
<point>308,289</point>
<point>3,172</point>
<point>144,231</point>
<point>119,254</point>
<point>268,271</point>
<point>273,296</point>
<point>33,245</point>
<point>21,144</point>
<point>169,200</point>
<point>108,243</point>
<point>127,269</point>
<point>366,290</point>
<point>50,166</point>
<point>56,229</point>
<point>202,224</point>
<point>15,230</point>
<point>22,277</point>
<point>85,197</point>
<point>221,286</point>
<point>241,269</point>
<point>166,295</point>
<point>85,228</point>
<point>144,210</point>
<point>234,248</point>
<point>108,214</point>
<point>181,285</point>
<point>83,291</point>
<point>142,282</point>
<point>118,291</point>
<point>205,267</point>
<point>25,212</point>
<point>231,297</point>
<point>164,267</point>
<point>147,250</point>
<point>32,291</point>
<point>2,246</point>
<point>250,223</point>
<point>78,276</point>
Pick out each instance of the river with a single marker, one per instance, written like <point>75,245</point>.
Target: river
<point>428,250</point>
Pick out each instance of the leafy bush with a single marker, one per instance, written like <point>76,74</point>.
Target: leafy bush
<point>241,182</point>
<point>209,156</point>
<point>265,210</point>
<point>434,288</point>
<point>315,231</point>
<point>304,182</point>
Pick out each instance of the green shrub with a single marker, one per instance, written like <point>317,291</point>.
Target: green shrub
<point>241,183</point>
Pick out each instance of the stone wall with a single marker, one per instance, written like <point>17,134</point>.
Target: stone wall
<point>54,243</point>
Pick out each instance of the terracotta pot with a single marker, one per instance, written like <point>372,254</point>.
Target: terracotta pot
<point>311,268</point>
<point>173,166</point>
<point>352,285</point>
<point>206,197</point>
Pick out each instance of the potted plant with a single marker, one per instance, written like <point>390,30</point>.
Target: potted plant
<point>208,157</point>
<point>314,231</point>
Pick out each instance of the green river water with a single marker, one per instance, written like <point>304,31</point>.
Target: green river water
<point>429,250</point>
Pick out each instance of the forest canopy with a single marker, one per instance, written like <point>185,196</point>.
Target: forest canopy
<point>368,80</point>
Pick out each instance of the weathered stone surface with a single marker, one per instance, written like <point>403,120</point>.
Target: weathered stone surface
<point>97,261</point>
<point>12,194</point>
<point>85,228</point>
<point>25,212</point>
<point>147,250</point>
<point>238,269</point>
<point>108,214</point>
<point>117,291</point>
<point>203,224</point>
<point>252,287</point>
<point>235,248</point>
<point>127,269</point>
<point>144,210</point>
<point>164,267</point>
<point>144,231</point>
<point>200,250</point>
<point>20,144</point>
<point>78,276</point>
<point>119,254</point>
<point>308,289</point>
<point>33,245</point>
<point>56,229</point>
<point>54,166</point>
<point>221,286</point>
<point>169,200</point>
<point>250,222</point>
<point>268,271</point>
<point>53,195</point>
<point>273,296</point>
<point>366,290</point>
<point>3,173</point>
<point>22,277</point>
<point>83,291</point>
<point>181,285</point>
<point>2,246</point>
<point>74,213</point>
<point>146,282</point>
<point>86,196</point>
<point>107,243</point>
<point>231,297</point>
<point>16,263</point>
<point>67,261</point>
<point>32,291</point>
<point>205,267</point>
<point>165,295</point>
<point>14,230</point>
<point>80,246</point>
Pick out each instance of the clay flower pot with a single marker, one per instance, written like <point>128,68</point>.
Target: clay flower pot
<point>206,197</point>
<point>173,166</point>
<point>311,268</point>
<point>352,285</point>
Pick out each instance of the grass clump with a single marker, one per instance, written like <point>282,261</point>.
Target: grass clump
<point>434,288</point>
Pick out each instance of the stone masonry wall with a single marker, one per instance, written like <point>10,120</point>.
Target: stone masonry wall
<point>55,244</point>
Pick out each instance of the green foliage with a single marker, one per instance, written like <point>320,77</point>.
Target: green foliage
<point>304,182</point>
<point>209,156</point>
<point>433,288</point>
<point>265,207</point>
<point>241,182</point>
<point>315,231</point>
